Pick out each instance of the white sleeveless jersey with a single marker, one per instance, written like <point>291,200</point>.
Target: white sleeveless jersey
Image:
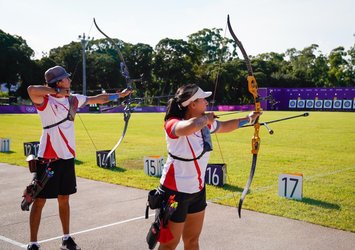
<point>58,141</point>
<point>185,176</point>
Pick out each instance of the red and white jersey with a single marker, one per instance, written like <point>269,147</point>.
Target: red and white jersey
<point>58,141</point>
<point>185,176</point>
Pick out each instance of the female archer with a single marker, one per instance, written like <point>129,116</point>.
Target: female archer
<point>188,128</point>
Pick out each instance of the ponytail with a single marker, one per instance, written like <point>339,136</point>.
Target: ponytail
<point>174,107</point>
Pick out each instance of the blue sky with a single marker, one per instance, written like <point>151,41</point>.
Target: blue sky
<point>262,25</point>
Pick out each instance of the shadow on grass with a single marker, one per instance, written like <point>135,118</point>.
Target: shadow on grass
<point>232,188</point>
<point>118,169</point>
<point>319,203</point>
<point>232,193</point>
<point>78,162</point>
<point>115,169</point>
<point>8,152</point>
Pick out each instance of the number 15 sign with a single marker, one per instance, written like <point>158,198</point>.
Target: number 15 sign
<point>153,165</point>
<point>291,186</point>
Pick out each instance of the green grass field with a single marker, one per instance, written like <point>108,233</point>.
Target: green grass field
<point>321,146</point>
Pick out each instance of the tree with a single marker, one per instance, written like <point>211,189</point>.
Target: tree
<point>212,46</point>
<point>141,58</point>
<point>173,64</point>
<point>104,65</point>
<point>274,68</point>
<point>350,70</point>
<point>69,56</point>
<point>207,58</point>
<point>340,72</point>
<point>15,59</point>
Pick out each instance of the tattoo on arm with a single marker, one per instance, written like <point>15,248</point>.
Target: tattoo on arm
<point>202,121</point>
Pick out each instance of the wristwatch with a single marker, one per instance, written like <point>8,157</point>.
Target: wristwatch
<point>57,90</point>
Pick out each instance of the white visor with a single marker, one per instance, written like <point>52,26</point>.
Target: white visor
<point>199,94</point>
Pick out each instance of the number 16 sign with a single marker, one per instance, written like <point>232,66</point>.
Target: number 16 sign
<point>291,186</point>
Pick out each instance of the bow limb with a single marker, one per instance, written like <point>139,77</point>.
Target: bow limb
<point>124,68</point>
<point>253,89</point>
<point>126,119</point>
<point>125,74</point>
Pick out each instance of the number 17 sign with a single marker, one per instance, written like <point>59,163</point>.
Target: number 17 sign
<point>291,186</point>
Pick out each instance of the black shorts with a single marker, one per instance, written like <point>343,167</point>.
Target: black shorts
<point>187,203</point>
<point>63,181</point>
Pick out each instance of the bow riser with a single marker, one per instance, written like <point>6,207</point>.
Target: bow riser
<point>253,89</point>
<point>255,141</point>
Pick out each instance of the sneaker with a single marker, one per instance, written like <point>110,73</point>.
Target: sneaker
<point>69,244</point>
<point>32,247</point>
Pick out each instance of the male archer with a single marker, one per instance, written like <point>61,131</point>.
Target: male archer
<point>57,107</point>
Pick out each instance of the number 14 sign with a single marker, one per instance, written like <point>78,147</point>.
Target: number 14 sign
<point>291,186</point>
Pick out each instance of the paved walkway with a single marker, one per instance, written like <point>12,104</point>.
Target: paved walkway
<point>106,216</point>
